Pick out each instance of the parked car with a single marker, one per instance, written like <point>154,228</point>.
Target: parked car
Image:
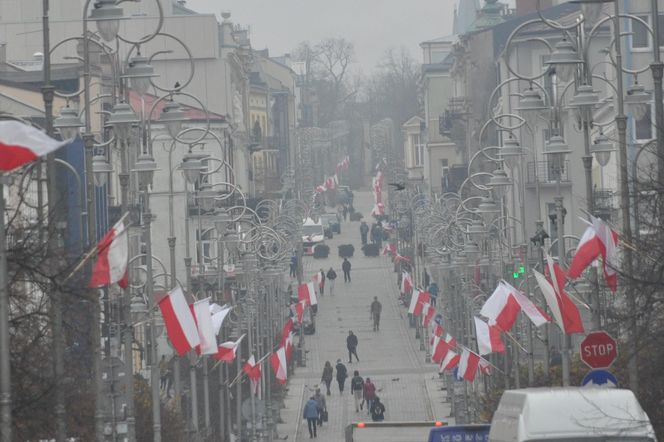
<point>331,224</point>
<point>312,233</point>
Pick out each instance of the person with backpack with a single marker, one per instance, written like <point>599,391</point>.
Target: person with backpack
<point>351,344</point>
<point>369,391</point>
<point>327,375</point>
<point>357,389</point>
<point>377,410</point>
<point>331,277</point>
<point>345,266</point>
<point>311,415</point>
<point>342,374</point>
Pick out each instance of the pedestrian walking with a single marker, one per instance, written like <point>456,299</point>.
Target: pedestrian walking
<point>364,231</point>
<point>375,310</point>
<point>164,374</point>
<point>345,211</point>
<point>357,389</point>
<point>342,374</point>
<point>327,375</point>
<point>345,266</point>
<point>321,281</point>
<point>369,391</point>
<point>322,406</point>
<point>331,277</point>
<point>433,293</point>
<point>311,415</point>
<point>377,410</point>
<point>293,266</point>
<point>351,344</point>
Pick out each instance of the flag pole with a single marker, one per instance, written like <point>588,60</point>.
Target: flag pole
<point>620,240</point>
<point>509,335</point>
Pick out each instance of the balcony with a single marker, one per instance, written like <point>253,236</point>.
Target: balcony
<point>547,172</point>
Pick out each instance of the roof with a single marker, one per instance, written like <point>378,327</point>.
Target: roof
<point>192,113</point>
<point>181,9</point>
<point>443,66</point>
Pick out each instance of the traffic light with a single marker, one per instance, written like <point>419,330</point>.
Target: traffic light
<point>519,270</point>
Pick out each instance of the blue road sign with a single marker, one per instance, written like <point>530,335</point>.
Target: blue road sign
<point>600,378</point>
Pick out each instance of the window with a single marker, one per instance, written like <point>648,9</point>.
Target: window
<point>444,173</point>
<point>643,127</point>
<point>206,241</point>
<point>417,151</point>
<point>640,35</point>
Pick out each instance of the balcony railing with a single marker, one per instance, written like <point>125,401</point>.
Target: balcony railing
<point>604,203</point>
<point>547,172</point>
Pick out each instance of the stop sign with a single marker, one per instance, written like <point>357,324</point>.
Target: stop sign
<point>599,350</point>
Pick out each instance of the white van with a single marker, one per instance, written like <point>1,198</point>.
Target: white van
<point>313,233</point>
<point>570,414</point>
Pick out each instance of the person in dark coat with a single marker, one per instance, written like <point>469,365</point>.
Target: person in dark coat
<point>311,413</point>
<point>342,374</point>
<point>377,410</point>
<point>327,375</point>
<point>364,231</point>
<point>331,277</point>
<point>375,310</point>
<point>345,266</point>
<point>351,344</point>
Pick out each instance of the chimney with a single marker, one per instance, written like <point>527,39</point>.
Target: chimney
<point>524,7</point>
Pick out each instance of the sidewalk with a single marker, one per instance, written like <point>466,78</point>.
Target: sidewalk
<point>409,388</point>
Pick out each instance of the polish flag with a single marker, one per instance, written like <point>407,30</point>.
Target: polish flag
<point>206,334</point>
<point>440,348</point>
<point>451,341</point>
<point>501,308</point>
<point>321,188</point>
<point>398,258</point>
<point>378,210</point>
<point>437,330</point>
<point>218,318</point>
<point>253,372</point>
<point>417,299</point>
<point>534,313</point>
<point>406,282</point>
<point>468,365</point>
<point>598,240</point>
<point>389,249</point>
<point>279,365</point>
<point>485,366</point>
<point>180,324</point>
<point>307,293</point>
<point>298,310</point>
<point>227,350</point>
<point>287,338</point>
<point>488,338</point>
<point>428,312</point>
<point>450,361</point>
<point>288,327</point>
<point>378,196</point>
<point>21,144</point>
<point>112,258</point>
<point>563,309</point>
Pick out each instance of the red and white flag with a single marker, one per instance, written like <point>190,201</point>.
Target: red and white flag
<point>418,298</point>
<point>428,312</point>
<point>378,210</point>
<point>279,365</point>
<point>437,329</point>
<point>468,365</point>
<point>206,334</point>
<point>563,309</point>
<point>253,372</point>
<point>398,258</point>
<point>227,350</point>
<point>534,313</point>
<point>180,324</point>
<point>488,338</point>
<point>451,340</point>
<point>298,310</point>
<point>321,188</point>
<point>307,293</point>
<point>501,308</point>
<point>218,317</point>
<point>287,338</point>
<point>598,240</point>
<point>450,361</point>
<point>439,349</point>
<point>406,282</point>
<point>485,366</point>
<point>389,249</point>
<point>21,144</point>
<point>112,258</point>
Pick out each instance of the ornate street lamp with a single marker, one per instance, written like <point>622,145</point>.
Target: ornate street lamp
<point>499,183</point>
<point>564,59</point>
<point>139,72</point>
<point>601,149</point>
<point>475,229</point>
<point>192,166</point>
<point>487,209</point>
<point>584,102</point>
<point>510,152</point>
<point>556,149</point>
<point>107,15</point>
<point>68,123</point>
<point>101,169</point>
<point>145,167</point>
<point>121,120</point>
<point>637,101</point>
<point>531,106</point>
<point>172,116</point>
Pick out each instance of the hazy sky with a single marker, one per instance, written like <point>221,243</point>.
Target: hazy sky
<point>372,25</point>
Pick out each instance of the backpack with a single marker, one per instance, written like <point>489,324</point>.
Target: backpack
<point>358,383</point>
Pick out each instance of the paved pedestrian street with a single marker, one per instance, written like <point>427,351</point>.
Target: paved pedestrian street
<point>409,388</point>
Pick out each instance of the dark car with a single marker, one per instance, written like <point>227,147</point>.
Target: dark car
<point>330,223</point>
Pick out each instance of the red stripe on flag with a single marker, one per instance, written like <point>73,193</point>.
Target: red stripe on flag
<point>13,156</point>
<point>175,333</point>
